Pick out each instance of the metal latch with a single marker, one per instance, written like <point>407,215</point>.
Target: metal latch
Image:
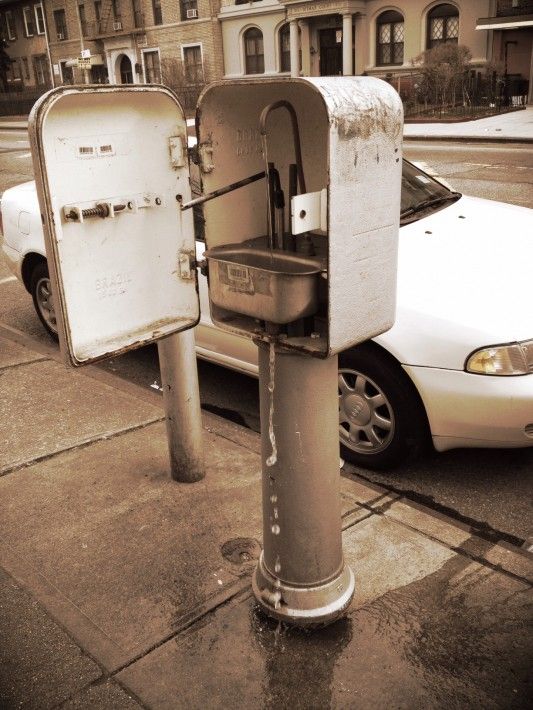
<point>81,211</point>
<point>187,265</point>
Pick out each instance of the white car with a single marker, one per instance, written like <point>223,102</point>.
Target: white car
<point>458,363</point>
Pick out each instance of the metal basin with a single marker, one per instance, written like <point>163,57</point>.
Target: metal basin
<point>275,286</point>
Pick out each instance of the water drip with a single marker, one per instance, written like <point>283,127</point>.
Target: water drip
<point>273,458</point>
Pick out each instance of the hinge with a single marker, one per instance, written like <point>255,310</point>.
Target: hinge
<point>177,151</point>
<point>205,151</point>
<point>187,265</point>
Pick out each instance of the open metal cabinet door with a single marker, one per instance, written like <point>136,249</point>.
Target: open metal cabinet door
<point>110,163</point>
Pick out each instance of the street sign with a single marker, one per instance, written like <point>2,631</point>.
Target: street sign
<point>85,53</point>
<point>83,62</point>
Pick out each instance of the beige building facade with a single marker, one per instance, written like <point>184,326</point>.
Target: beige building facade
<point>346,36</point>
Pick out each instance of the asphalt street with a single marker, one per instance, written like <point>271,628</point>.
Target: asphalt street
<point>490,489</point>
<point>495,171</point>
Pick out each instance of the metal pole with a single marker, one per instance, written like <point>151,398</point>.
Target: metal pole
<point>301,577</point>
<point>47,40</point>
<point>181,396</point>
<point>82,46</point>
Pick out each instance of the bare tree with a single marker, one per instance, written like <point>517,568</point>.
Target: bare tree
<point>174,76</point>
<point>444,74</point>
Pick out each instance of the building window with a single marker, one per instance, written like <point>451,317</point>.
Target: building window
<point>390,33</point>
<point>188,10</point>
<point>29,24</point>
<point>285,48</point>
<point>41,70</point>
<point>443,25</point>
<point>67,73</point>
<point>138,17</point>
<point>253,51</point>
<point>61,24</point>
<point>83,20</point>
<point>10,26</point>
<point>152,66</point>
<point>15,71</point>
<point>193,65</point>
<point>158,13</point>
<point>39,19</point>
<point>26,67</point>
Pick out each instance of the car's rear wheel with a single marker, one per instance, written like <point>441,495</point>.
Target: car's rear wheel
<point>43,300</point>
<point>381,419</point>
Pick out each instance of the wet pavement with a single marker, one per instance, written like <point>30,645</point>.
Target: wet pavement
<point>120,588</point>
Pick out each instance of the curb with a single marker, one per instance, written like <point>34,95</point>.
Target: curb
<point>469,139</point>
<point>23,125</point>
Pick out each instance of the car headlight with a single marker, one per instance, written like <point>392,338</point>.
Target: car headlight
<point>512,359</point>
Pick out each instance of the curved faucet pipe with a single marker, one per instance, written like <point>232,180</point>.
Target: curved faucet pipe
<point>297,151</point>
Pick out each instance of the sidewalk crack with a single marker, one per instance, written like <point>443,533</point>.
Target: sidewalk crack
<point>78,445</point>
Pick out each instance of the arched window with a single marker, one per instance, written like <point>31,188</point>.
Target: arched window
<point>253,51</point>
<point>285,48</point>
<point>443,25</point>
<point>389,38</point>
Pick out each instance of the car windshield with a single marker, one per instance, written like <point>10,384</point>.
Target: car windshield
<point>420,191</point>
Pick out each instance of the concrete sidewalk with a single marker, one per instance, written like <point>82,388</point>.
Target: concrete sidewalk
<point>507,127</point>
<point>516,126</point>
<point>120,588</point>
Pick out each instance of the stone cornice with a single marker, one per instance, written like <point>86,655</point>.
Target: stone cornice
<point>298,9</point>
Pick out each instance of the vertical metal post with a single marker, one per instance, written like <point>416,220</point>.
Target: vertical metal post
<point>301,577</point>
<point>86,78</point>
<point>181,396</point>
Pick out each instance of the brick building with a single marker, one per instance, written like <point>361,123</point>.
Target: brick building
<point>134,41</point>
<point>25,61</point>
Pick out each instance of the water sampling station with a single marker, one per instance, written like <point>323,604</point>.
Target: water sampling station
<point>301,183</point>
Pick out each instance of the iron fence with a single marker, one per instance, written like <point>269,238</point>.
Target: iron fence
<point>511,8</point>
<point>19,103</point>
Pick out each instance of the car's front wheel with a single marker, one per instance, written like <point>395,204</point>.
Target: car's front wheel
<point>43,300</point>
<point>381,419</point>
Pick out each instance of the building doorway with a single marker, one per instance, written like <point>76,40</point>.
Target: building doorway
<point>126,70</point>
<point>99,74</point>
<point>330,51</point>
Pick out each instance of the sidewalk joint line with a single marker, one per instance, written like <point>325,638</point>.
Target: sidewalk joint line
<point>491,565</point>
<point>352,524</point>
<point>428,505</point>
<point>78,445</point>
<point>16,365</point>
<point>241,587</point>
